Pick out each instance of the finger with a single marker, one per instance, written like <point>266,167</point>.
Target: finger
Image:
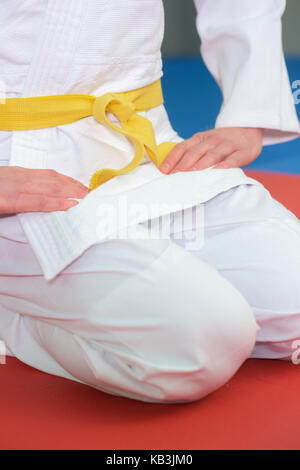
<point>40,203</point>
<point>53,176</point>
<point>196,153</point>
<point>214,156</point>
<point>176,153</point>
<point>72,181</point>
<point>233,161</point>
<point>53,188</point>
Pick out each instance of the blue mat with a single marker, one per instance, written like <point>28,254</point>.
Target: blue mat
<point>186,77</point>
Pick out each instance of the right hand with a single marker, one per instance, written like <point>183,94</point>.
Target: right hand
<point>31,190</point>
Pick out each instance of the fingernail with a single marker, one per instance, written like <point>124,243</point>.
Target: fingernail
<point>72,203</point>
<point>84,188</point>
<point>165,167</point>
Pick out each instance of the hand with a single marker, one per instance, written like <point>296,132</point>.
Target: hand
<point>29,190</point>
<point>225,147</point>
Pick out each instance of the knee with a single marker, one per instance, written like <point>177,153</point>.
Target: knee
<point>183,336</point>
<point>205,340</point>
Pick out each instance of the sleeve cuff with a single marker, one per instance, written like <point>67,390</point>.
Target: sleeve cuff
<point>274,131</point>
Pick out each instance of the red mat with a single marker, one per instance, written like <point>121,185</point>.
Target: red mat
<point>257,409</point>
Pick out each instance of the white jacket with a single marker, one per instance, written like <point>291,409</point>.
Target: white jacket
<point>96,46</point>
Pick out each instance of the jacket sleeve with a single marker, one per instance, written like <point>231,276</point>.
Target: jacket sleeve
<point>241,45</point>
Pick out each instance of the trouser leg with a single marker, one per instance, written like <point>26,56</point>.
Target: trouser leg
<point>141,319</point>
<point>254,242</point>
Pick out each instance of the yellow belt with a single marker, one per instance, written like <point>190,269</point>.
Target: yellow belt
<point>48,111</point>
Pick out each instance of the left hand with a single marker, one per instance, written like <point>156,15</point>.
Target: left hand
<point>226,147</point>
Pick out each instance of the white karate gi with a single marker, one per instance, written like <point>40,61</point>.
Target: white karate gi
<point>146,319</point>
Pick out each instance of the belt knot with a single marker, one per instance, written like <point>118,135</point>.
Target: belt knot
<point>114,104</point>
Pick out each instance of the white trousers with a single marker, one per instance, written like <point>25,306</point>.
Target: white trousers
<point>151,320</point>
